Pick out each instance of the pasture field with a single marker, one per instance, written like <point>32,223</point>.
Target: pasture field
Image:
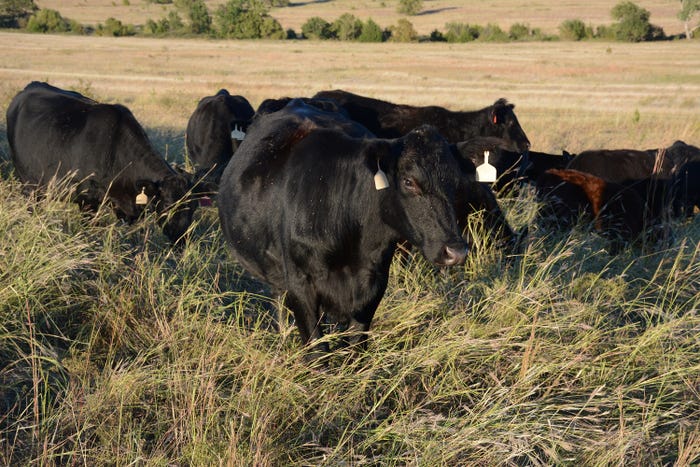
<point>115,350</point>
<point>544,14</point>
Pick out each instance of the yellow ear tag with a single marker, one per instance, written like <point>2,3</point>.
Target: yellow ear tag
<point>142,198</point>
<point>486,172</point>
<point>380,180</point>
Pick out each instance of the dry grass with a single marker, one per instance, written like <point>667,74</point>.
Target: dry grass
<point>568,95</point>
<point>114,350</point>
<point>544,14</point>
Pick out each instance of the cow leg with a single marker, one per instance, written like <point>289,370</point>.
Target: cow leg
<point>88,196</point>
<point>356,334</point>
<point>308,321</point>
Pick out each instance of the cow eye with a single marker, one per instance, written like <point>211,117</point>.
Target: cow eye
<point>411,185</point>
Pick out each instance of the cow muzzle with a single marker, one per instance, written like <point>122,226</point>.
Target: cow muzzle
<point>452,255</point>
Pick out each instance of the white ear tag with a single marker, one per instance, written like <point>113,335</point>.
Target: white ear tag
<point>486,172</point>
<point>237,133</point>
<point>380,180</point>
<point>142,198</point>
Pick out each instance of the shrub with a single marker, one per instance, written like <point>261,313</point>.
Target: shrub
<point>519,32</point>
<point>317,28</point>
<point>410,7</point>
<point>114,27</point>
<point>493,33</point>
<point>436,36</point>
<point>14,13</point>
<point>241,19</point>
<point>48,20</point>
<point>572,30</point>
<point>632,22</point>
<point>403,31</point>
<point>462,32</point>
<point>347,27</point>
<point>371,32</point>
<point>197,14</point>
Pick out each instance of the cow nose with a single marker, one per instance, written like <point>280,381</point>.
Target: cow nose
<point>452,256</point>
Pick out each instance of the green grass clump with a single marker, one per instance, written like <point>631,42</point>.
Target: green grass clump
<point>116,350</point>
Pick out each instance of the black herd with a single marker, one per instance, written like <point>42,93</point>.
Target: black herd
<point>314,194</point>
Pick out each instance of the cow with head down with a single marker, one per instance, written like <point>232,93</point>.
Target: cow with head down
<point>315,207</point>
<point>214,132</point>
<point>627,212</point>
<point>54,133</point>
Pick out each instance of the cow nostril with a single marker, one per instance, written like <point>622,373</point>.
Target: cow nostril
<point>453,256</point>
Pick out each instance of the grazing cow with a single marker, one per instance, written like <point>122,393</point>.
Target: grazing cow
<point>304,208</point>
<point>623,165</point>
<point>214,131</point>
<point>273,105</point>
<point>102,148</point>
<point>687,189</point>
<point>508,163</point>
<point>621,212</point>
<point>388,120</point>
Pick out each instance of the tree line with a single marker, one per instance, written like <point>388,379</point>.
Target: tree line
<point>250,19</point>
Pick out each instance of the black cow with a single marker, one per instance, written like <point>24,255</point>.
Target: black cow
<point>301,211</point>
<point>214,131</point>
<point>687,189</point>
<point>102,148</point>
<point>508,164</point>
<point>623,165</point>
<point>273,105</point>
<point>388,120</point>
<point>622,212</point>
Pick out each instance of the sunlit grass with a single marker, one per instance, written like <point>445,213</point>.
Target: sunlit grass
<point>117,350</point>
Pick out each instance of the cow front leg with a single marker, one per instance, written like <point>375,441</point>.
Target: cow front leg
<point>308,321</point>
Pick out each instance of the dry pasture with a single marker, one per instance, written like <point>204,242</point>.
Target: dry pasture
<point>116,351</point>
<point>544,14</point>
<point>572,96</point>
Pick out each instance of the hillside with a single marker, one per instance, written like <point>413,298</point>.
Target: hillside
<point>544,14</point>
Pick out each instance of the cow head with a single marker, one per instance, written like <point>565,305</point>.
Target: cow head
<point>419,204</point>
<point>173,202</point>
<point>504,124</point>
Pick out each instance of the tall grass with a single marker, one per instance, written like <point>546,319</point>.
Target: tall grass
<point>116,350</point>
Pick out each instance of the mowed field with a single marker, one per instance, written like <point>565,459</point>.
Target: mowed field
<point>116,350</point>
<point>572,96</point>
<point>544,14</point>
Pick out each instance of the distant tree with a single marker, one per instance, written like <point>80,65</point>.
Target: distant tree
<point>462,32</point>
<point>246,19</point>
<point>347,27</point>
<point>197,15</point>
<point>493,33</point>
<point>47,20</point>
<point>632,22</point>
<point>437,36</point>
<point>114,27</point>
<point>403,31</point>
<point>572,30</point>
<point>519,31</point>
<point>14,13</point>
<point>410,7</point>
<point>688,9</point>
<point>371,32</point>
<point>317,28</point>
